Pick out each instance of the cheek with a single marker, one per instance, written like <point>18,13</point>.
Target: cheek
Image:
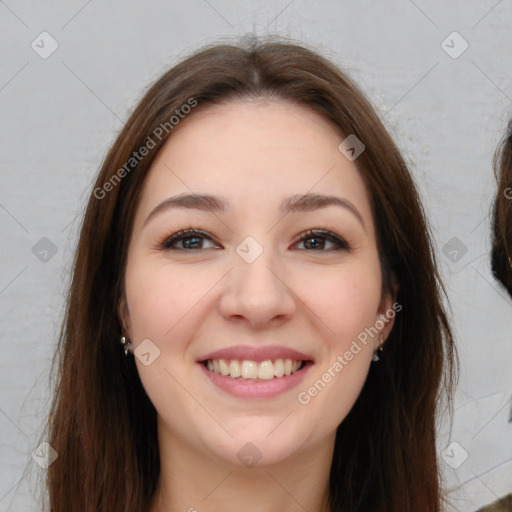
<point>345,300</point>
<point>163,305</point>
<point>160,299</point>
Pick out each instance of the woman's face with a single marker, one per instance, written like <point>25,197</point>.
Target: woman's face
<point>283,266</point>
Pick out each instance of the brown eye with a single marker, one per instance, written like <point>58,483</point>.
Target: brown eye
<point>186,239</point>
<point>316,240</point>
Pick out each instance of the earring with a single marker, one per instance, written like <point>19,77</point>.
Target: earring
<point>375,356</point>
<point>125,344</point>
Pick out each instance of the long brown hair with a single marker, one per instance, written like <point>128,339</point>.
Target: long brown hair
<point>102,423</point>
<point>501,255</point>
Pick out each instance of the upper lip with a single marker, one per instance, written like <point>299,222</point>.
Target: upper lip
<point>251,353</point>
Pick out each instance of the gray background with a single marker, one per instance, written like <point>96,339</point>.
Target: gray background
<point>60,114</point>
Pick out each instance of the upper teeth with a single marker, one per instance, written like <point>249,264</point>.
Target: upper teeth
<point>253,369</point>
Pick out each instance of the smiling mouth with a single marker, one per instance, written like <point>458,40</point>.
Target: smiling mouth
<point>247,370</point>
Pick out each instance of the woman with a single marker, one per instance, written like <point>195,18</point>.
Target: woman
<point>256,243</point>
<point>501,256</point>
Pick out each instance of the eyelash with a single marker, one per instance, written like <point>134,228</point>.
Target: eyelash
<point>168,242</point>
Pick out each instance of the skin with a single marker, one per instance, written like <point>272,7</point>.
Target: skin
<point>313,298</point>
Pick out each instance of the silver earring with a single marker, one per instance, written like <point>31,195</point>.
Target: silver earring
<point>375,356</point>
<point>124,341</point>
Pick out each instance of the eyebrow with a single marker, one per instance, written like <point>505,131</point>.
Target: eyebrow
<point>297,203</point>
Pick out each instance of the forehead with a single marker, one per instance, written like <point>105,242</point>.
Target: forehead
<point>252,150</point>
<point>235,127</point>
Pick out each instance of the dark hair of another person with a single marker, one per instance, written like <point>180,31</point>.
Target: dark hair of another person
<point>101,421</point>
<point>501,255</point>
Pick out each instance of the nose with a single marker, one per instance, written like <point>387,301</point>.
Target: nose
<point>257,294</point>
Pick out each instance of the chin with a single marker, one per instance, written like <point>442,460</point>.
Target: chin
<point>258,447</point>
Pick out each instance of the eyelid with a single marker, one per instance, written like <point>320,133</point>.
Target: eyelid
<point>328,235</point>
<point>166,243</point>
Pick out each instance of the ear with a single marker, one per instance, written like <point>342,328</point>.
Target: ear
<point>387,311</point>
<point>124,316</point>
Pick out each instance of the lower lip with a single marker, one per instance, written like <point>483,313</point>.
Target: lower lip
<point>257,388</point>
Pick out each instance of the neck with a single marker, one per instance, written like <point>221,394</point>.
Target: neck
<point>192,482</point>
